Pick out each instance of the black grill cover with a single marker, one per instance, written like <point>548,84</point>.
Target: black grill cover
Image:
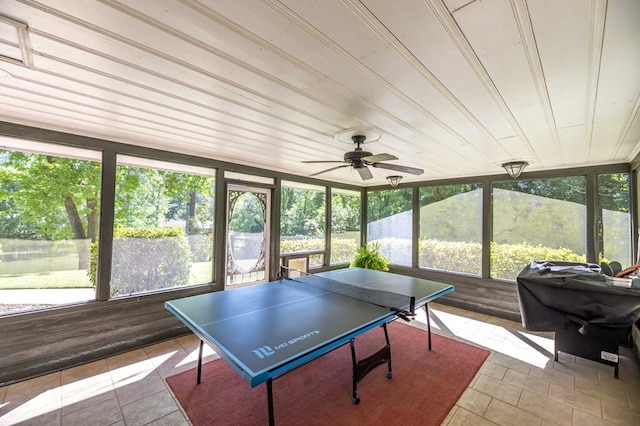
<point>556,295</point>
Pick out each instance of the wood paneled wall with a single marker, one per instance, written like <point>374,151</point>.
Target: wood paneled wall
<point>488,296</point>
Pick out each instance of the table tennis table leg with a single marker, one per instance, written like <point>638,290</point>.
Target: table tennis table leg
<point>364,366</point>
<point>270,402</point>
<point>426,310</point>
<point>200,361</point>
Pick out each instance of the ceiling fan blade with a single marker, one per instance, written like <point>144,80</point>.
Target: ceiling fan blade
<point>323,161</point>
<point>379,157</point>
<point>365,173</point>
<point>398,168</point>
<point>328,170</point>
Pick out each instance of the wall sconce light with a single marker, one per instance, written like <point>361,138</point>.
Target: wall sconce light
<point>394,180</point>
<point>515,168</point>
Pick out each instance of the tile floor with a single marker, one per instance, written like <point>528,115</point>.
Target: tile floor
<point>519,384</point>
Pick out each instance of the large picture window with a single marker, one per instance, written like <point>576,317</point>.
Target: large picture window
<point>390,223</point>
<point>345,225</point>
<point>542,219</point>
<point>49,216</point>
<point>451,228</point>
<point>163,226</point>
<point>302,218</point>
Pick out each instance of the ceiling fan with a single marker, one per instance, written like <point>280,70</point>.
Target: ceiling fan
<point>360,159</point>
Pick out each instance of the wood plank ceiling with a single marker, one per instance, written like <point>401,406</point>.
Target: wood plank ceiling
<point>455,87</point>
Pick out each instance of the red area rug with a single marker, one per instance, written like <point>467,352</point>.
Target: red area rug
<point>425,386</point>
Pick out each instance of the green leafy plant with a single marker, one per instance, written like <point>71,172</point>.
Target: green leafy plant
<point>369,257</point>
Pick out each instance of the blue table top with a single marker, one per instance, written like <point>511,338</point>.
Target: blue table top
<point>264,330</point>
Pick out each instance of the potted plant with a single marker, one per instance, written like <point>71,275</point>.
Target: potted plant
<point>369,257</point>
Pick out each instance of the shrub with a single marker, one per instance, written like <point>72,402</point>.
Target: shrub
<point>146,259</point>
<point>201,247</point>
<point>451,256</point>
<point>343,249</point>
<point>507,260</point>
<point>293,245</point>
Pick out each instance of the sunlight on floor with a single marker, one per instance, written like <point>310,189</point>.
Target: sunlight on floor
<point>508,340</point>
<point>94,383</point>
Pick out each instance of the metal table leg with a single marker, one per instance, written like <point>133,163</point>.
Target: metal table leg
<point>426,310</point>
<point>200,361</point>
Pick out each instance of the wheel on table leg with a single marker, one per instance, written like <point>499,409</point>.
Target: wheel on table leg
<point>356,400</point>
<point>389,375</point>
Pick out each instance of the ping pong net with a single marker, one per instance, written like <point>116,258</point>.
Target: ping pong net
<point>402,304</point>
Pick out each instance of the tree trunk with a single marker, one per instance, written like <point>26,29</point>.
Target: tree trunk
<point>79,235</point>
<point>191,211</point>
<point>92,220</point>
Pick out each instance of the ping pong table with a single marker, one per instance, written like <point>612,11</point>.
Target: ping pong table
<point>267,330</point>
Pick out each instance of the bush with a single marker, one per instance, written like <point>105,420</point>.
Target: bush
<point>294,245</point>
<point>201,247</point>
<point>343,249</point>
<point>451,256</point>
<point>146,259</point>
<point>507,260</point>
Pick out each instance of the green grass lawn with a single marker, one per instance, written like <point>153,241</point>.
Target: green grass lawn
<point>200,274</point>
<point>53,279</point>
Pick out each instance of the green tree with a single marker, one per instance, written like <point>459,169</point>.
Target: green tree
<point>571,188</point>
<point>247,214</point>
<point>385,203</point>
<point>147,197</point>
<point>613,192</point>
<point>303,212</point>
<point>140,197</point>
<point>11,223</point>
<point>54,198</point>
<point>345,213</point>
<point>60,197</point>
<point>186,192</point>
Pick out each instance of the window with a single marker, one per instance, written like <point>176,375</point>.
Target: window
<point>614,218</point>
<point>390,223</point>
<point>163,226</point>
<point>49,216</point>
<point>451,228</point>
<point>345,225</point>
<point>302,218</point>
<point>537,220</point>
